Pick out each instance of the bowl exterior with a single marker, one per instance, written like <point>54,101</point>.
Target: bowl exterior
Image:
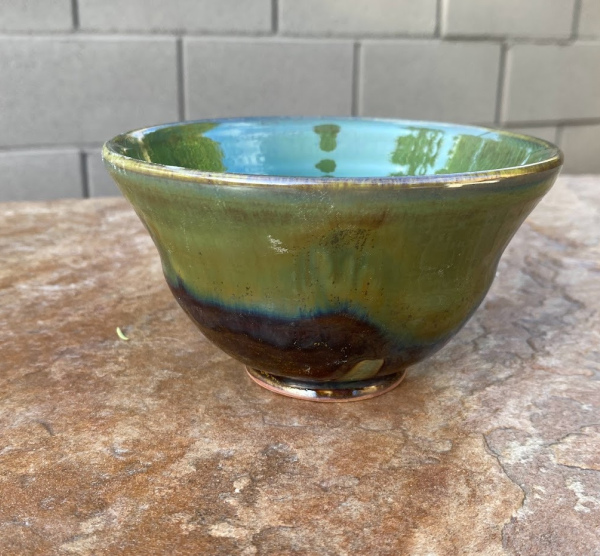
<point>329,283</point>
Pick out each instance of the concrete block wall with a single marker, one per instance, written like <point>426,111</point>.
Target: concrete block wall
<point>73,73</point>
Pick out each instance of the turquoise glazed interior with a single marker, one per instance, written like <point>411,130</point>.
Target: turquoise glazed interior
<point>350,148</point>
<point>328,255</point>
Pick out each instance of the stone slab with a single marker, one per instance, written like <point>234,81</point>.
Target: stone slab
<point>161,445</point>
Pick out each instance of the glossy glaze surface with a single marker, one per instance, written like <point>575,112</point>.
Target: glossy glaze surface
<point>344,148</point>
<point>327,279</point>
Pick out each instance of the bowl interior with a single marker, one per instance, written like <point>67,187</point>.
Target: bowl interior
<point>317,147</point>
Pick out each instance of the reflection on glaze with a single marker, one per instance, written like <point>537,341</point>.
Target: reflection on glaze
<point>327,166</point>
<point>328,134</point>
<point>328,143</point>
<point>332,147</point>
<point>417,151</point>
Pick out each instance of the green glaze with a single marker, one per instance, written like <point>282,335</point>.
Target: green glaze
<point>374,271</point>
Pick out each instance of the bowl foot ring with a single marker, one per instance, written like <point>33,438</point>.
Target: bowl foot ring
<point>326,391</point>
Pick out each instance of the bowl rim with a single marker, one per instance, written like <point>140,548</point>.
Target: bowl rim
<point>121,162</point>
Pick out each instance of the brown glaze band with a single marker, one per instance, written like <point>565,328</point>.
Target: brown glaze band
<point>318,348</point>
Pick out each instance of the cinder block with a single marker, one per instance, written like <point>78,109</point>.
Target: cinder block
<point>252,77</point>
<point>83,89</point>
<point>341,17</point>
<point>551,82</point>
<point>100,184</point>
<point>589,18</point>
<point>581,146</point>
<point>245,16</point>
<point>435,80</point>
<point>508,18</point>
<point>35,15</point>
<point>32,175</point>
<point>546,133</point>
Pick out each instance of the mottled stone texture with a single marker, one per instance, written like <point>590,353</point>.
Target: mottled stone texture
<point>161,445</point>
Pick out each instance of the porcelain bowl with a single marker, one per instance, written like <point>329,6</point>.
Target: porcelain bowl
<point>328,255</point>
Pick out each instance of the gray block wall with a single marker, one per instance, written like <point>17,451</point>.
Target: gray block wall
<point>73,73</point>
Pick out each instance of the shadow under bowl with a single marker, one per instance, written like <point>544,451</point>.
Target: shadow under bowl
<point>330,254</point>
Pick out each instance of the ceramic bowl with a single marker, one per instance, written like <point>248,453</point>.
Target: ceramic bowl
<point>328,255</point>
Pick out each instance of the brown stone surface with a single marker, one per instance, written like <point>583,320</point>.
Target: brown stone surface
<point>161,444</point>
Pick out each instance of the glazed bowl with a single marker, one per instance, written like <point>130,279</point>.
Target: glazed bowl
<point>328,255</point>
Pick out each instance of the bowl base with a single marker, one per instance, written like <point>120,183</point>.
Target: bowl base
<point>326,391</point>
